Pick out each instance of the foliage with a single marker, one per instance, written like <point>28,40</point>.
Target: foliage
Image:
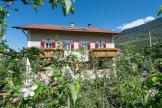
<point>66,4</point>
<point>160,11</point>
<point>3,15</point>
<point>74,89</point>
<point>133,79</point>
<point>130,80</point>
<point>7,5</point>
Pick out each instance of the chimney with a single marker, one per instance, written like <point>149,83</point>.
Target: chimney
<point>89,25</point>
<point>72,24</point>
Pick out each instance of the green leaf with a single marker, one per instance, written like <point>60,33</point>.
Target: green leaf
<point>77,87</point>
<point>56,72</point>
<point>72,10</point>
<point>1,8</point>
<point>38,2</point>
<point>67,7</point>
<point>53,5</point>
<point>64,10</point>
<point>52,101</point>
<point>160,11</point>
<point>132,85</point>
<point>34,7</point>
<point>154,78</point>
<point>74,89</point>
<point>146,98</point>
<point>37,91</point>
<point>73,92</point>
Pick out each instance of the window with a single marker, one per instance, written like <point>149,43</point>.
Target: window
<point>67,45</point>
<point>84,44</point>
<point>48,43</point>
<point>100,44</point>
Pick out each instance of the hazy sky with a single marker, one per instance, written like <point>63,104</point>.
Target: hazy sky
<point>107,14</point>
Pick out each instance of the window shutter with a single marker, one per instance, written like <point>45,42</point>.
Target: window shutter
<point>96,45</point>
<point>72,44</point>
<point>88,45</point>
<point>53,44</point>
<point>42,44</point>
<point>104,44</point>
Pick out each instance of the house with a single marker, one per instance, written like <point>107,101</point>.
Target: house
<point>98,43</point>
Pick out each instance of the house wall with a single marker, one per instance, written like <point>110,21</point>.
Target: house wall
<point>37,35</point>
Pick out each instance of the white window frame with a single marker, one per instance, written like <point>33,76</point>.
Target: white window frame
<point>84,44</point>
<point>100,44</point>
<point>48,43</point>
<point>67,45</point>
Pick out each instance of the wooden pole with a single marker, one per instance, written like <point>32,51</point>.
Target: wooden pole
<point>150,37</point>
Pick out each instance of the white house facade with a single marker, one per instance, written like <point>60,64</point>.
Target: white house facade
<point>70,38</point>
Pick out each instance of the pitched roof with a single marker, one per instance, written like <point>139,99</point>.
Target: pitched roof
<point>64,28</point>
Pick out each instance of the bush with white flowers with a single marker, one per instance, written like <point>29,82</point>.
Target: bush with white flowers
<point>28,89</point>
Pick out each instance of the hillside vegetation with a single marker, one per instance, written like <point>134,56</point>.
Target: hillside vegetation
<point>139,36</point>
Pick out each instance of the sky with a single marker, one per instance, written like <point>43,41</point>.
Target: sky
<point>113,15</point>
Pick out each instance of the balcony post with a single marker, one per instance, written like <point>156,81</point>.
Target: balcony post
<point>28,68</point>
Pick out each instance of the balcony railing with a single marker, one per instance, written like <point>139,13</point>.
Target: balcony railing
<point>50,52</point>
<point>94,52</point>
<point>103,52</point>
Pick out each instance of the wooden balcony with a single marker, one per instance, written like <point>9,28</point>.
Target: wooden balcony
<point>103,52</point>
<point>93,53</point>
<point>50,52</point>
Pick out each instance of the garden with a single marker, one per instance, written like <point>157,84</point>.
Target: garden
<point>132,80</point>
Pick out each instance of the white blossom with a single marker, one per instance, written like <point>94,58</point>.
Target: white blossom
<point>31,93</point>
<point>153,92</point>
<point>24,90</point>
<point>34,87</point>
<point>29,89</point>
<point>26,94</point>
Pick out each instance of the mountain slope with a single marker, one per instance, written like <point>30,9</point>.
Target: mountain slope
<point>139,36</point>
